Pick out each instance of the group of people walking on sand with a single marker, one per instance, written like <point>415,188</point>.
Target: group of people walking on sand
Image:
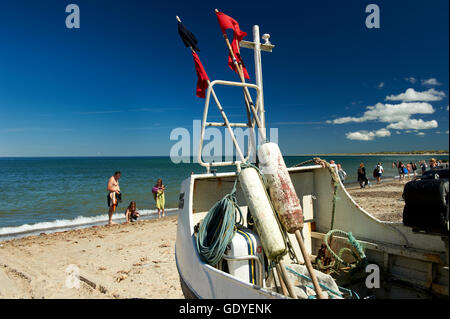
<point>362,177</point>
<point>114,197</point>
<point>408,169</point>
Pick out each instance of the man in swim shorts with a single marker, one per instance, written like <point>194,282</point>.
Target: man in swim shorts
<point>113,194</point>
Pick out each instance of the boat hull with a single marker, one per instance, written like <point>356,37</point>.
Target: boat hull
<point>415,263</point>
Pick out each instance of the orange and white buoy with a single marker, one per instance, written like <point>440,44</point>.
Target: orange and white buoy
<point>281,190</point>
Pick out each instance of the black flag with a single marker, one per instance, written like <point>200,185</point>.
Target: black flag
<point>188,38</point>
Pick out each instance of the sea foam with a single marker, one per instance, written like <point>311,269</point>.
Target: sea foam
<point>67,224</point>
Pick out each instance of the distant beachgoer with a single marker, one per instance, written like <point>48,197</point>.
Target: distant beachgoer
<point>394,164</point>
<point>423,167</point>
<point>131,213</point>
<point>401,170</point>
<point>378,172</point>
<point>332,162</point>
<point>414,168</point>
<point>433,163</point>
<point>362,179</point>
<point>409,169</point>
<point>114,195</point>
<point>158,195</point>
<point>342,174</point>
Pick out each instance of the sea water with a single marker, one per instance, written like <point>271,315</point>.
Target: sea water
<point>39,194</point>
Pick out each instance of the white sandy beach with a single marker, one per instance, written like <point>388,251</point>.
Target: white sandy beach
<point>121,261</point>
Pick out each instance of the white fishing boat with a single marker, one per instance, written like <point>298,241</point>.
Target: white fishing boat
<point>366,257</point>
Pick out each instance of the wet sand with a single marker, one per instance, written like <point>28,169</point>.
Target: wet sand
<point>125,261</point>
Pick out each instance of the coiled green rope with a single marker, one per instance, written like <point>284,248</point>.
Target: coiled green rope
<point>218,228</point>
<point>361,256</point>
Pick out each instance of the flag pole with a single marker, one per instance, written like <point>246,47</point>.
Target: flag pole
<point>248,102</point>
<point>246,92</point>
<point>219,106</point>
<point>280,266</point>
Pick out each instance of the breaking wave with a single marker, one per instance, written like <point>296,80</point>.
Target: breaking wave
<point>67,224</point>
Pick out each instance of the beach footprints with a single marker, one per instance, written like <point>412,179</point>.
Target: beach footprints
<point>124,274</point>
<point>141,261</point>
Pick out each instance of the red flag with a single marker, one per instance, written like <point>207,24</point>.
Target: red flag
<point>202,82</point>
<point>227,22</point>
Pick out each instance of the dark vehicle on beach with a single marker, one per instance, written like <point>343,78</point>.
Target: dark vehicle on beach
<point>426,203</point>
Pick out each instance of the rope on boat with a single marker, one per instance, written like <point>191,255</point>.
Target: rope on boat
<point>218,228</point>
<point>334,178</point>
<point>348,291</point>
<point>360,256</point>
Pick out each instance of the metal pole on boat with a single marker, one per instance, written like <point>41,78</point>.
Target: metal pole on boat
<point>258,74</point>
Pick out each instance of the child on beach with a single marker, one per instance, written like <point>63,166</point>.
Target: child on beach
<point>131,213</point>
<point>158,195</point>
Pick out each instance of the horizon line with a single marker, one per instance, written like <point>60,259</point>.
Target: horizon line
<point>308,154</point>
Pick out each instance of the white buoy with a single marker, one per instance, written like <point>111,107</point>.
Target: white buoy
<point>259,205</point>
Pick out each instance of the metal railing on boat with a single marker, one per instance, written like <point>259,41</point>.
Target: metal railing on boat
<point>259,270</point>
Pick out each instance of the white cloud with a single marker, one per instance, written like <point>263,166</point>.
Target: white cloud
<point>431,81</point>
<point>381,85</point>
<point>388,113</point>
<point>413,124</point>
<point>366,135</point>
<point>382,133</point>
<point>411,79</point>
<point>347,119</point>
<point>360,136</point>
<point>412,95</point>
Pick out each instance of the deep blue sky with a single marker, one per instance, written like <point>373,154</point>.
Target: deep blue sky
<point>124,80</point>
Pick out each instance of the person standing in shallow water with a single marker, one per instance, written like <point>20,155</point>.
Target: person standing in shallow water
<point>401,171</point>
<point>158,195</point>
